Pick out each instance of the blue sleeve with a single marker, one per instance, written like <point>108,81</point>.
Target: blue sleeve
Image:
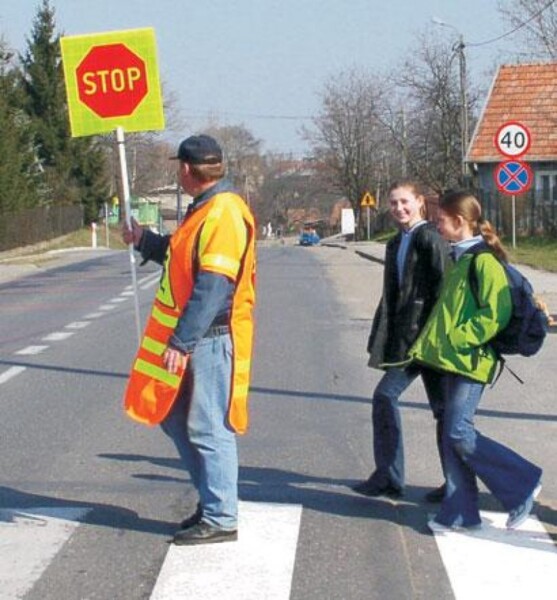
<point>210,297</point>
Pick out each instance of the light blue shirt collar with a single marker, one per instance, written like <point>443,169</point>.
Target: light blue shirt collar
<point>459,248</point>
<point>403,248</point>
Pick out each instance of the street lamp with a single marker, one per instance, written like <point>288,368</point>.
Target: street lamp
<point>458,49</point>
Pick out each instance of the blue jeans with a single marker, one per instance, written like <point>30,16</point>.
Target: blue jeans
<point>469,454</point>
<point>198,426</point>
<point>388,447</point>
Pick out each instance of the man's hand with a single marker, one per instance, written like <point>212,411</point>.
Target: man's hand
<point>133,235</point>
<point>174,360</point>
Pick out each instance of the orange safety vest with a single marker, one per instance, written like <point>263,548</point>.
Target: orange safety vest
<point>219,236</point>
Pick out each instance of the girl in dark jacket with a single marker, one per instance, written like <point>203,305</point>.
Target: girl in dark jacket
<point>415,261</point>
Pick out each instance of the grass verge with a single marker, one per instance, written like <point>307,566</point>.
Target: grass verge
<point>82,238</point>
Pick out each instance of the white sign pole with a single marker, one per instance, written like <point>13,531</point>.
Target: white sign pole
<point>127,207</point>
<point>514,219</point>
<point>106,231</point>
<point>368,219</point>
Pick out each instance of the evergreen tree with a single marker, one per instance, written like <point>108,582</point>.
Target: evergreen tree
<point>18,181</point>
<point>74,169</point>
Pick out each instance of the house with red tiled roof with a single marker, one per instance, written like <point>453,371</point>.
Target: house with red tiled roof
<point>527,94</point>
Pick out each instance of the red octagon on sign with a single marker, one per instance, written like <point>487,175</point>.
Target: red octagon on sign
<point>112,80</point>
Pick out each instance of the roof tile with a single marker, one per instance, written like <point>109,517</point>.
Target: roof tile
<point>526,93</point>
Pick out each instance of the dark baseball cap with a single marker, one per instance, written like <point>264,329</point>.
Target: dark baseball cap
<point>199,150</point>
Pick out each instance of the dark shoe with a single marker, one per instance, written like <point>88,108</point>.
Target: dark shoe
<point>203,533</point>
<point>435,496</point>
<point>192,519</point>
<point>372,489</point>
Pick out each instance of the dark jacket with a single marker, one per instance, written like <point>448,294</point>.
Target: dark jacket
<point>403,310</point>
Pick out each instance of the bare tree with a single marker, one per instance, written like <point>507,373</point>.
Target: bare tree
<point>536,24</point>
<point>426,121</point>
<point>348,138</point>
<point>241,148</point>
<point>243,157</point>
<point>292,184</point>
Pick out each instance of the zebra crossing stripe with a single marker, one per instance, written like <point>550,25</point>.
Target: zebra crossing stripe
<point>29,540</point>
<point>495,562</point>
<point>260,564</point>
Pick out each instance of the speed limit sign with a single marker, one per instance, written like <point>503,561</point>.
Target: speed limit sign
<point>513,139</point>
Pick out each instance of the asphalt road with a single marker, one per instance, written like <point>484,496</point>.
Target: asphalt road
<point>66,444</point>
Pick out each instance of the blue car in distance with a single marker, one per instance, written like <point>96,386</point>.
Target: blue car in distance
<point>309,237</point>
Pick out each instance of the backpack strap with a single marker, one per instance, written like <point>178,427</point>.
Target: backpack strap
<point>481,248</point>
<point>473,280</point>
<point>504,365</point>
<point>474,287</point>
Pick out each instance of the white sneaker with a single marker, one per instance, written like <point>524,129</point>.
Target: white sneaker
<point>522,512</point>
<point>436,527</point>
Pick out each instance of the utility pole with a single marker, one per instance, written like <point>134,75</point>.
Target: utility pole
<point>464,133</point>
<point>404,158</point>
<point>458,49</point>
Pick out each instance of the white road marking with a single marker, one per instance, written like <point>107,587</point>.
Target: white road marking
<point>94,315</point>
<point>495,562</point>
<point>107,307</point>
<point>10,373</point>
<point>150,281</point>
<point>117,300</point>
<point>260,564</point>
<point>143,283</point>
<point>58,336</point>
<point>30,350</point>
<point>78,325</point>
<point>29,540</point>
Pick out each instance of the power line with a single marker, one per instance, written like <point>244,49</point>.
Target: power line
<point>515,29</point>
<point>250,116</point>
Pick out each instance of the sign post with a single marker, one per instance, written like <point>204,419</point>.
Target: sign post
<point>127,208</point>
<point>513,176</point>
<point>368,201</point>
<point>112,84</point>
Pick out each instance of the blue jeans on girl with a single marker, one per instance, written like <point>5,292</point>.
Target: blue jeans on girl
<point>388,450</point>
<point>469,454</point>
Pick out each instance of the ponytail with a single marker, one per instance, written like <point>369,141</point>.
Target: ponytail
<point>466,205</point>
<point>492,240</point>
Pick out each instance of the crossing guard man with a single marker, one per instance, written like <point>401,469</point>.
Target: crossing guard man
<point>191,373</point>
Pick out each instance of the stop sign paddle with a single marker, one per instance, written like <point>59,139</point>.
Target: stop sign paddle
<point>111,80</point>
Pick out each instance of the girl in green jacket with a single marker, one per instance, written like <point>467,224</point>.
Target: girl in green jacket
<point>455,342</point>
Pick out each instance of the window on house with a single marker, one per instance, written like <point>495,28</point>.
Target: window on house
<point>546,185</point>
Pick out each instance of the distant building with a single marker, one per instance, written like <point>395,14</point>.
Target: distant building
<point>167,198</point>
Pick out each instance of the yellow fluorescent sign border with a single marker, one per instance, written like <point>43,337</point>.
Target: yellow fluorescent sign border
<point>148,115</point>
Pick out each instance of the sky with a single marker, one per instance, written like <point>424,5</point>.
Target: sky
<point>263,63</point>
